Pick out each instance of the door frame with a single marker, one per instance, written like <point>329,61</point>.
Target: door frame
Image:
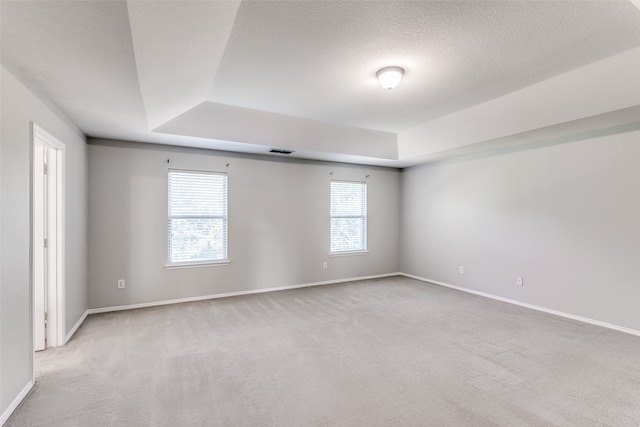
<point>56,305</point>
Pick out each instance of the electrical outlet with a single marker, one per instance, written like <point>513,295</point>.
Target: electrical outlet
<point>461,269</point>
<point>121,284</point>
<point>520,281</point>
<point>325,265</point>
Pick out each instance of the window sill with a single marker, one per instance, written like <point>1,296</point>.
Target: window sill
<point>197,264</point>
<point>332,254</point>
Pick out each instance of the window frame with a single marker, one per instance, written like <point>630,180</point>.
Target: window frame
<point>364,216</point>
<point>225,217</point>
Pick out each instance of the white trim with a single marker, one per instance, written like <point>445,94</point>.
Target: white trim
<point>57,322</point>
<point>19,398</point>
<point>175,266</point>
<point>364,208</point>
<point>233,294</point>
<point>347,253</point>
<point>221,194</point>
<point>76,326</point>
<point>531,306</point>
<point>61,239</point>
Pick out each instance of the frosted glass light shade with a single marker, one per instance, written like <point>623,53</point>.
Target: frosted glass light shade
<point>389,77</point>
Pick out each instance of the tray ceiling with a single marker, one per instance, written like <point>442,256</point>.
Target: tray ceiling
<point>251,75</point>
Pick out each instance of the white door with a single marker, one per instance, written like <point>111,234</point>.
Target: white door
<point>45,245</point>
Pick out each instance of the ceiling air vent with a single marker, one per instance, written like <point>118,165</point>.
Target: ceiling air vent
<point>279,151</point>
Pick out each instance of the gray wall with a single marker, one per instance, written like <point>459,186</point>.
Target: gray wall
<point>21,105</point>
<point>278,223</point>
<point>566,217</point>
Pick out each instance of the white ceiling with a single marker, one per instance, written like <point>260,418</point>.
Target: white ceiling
<point>250,75</point>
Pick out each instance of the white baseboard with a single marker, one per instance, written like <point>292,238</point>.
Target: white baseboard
<point>28,387</point>
<point>19,398</point>
<point>75,327</point>
<point>233,294</point>
<point>7,413</point>
<point>531,306</point>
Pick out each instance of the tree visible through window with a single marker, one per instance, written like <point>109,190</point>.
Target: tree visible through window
<point>197,217</point>
<point>348,216</point>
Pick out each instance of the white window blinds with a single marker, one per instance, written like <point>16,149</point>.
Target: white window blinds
<point>197,217</point>
<point>348,216</point>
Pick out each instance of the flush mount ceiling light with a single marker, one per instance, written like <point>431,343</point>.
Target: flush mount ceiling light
<point>389,77</point>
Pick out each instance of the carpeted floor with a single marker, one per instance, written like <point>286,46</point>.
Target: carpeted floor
<point>388,352</point>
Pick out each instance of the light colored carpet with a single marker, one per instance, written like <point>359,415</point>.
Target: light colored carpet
<point>389,352</point>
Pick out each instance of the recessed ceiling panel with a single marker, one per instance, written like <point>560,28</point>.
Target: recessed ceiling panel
<point>318,59</point>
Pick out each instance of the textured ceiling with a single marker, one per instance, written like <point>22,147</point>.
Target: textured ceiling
<point>319,59</point>
<point>221,74</point>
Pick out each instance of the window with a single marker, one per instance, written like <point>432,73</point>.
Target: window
<point>197,217</point>
<point>348,216</point>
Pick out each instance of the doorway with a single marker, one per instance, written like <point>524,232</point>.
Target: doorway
<point>47,240</point>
